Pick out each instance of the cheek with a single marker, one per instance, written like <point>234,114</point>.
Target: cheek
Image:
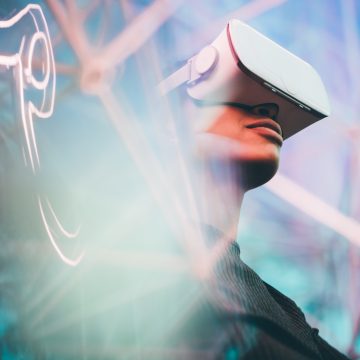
<point>204,118</point>
<point>229,128</point>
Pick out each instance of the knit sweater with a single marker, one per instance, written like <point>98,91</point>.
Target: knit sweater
<point>242,317</point>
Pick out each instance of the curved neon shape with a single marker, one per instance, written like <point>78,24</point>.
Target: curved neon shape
<point>65,259</point>
<point>22,64</point>
<point>25,77</point>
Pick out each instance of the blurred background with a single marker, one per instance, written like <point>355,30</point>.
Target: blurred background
<point>87,214</point>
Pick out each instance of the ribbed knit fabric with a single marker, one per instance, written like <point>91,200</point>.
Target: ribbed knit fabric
<point>242,317</point>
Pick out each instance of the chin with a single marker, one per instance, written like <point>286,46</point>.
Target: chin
<point>253,174</point>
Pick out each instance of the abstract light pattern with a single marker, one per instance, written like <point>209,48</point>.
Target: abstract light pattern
<point>112,155</point>
<point>31,20</point>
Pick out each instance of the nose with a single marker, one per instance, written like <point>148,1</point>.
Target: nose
<point>270,110</point>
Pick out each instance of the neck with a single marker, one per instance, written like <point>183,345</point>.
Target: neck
<point>219,195</point>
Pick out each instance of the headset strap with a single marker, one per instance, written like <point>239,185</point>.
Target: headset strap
<point>176,79</point>
<point>196,68</point>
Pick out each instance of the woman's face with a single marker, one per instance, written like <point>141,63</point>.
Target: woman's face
<point>252,140</point>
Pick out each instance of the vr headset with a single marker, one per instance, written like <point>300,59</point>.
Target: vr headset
<point>243,68</point>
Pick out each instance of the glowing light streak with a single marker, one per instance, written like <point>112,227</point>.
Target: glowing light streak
<point>132,137</point>
<point>38,300</point>
<point>9,60</point>
<point>26,118</point>
<point>200,255</point>
<point>72,30</point>
<point>90,309</point>
<point>315,207</point>
<point>15,61</point>
<point>150,167</point>
<point>245,12</point>
<point>27,109</point>
<point>101,62</point>
<point>64,258</point>
<point>141,259</point>
<point>89,9</point>
<point>352,47</point>
<point>25,78</point>
<point>148,261</point>
<point>255,8</point>
<point>57,295</point>
<point>206,258</point>
<point>127,42</point>
<point>39,85</point>
<point>139,30</point>
<point>68,234</point>
<point>24,156</point>
<point>18,16</point>
<point>50,76</point>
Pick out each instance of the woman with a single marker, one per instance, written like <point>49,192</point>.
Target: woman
<point>239,315</point>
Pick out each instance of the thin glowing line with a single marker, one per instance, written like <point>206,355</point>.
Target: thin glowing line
<point>352,48</point>
<point>27,109</point>
<point>245,12</point>
<point>9,60</point>
<point>252,9</point>
<point>191,231</point>
<point>144,157</point>
<point>32,132</point>
<point>65,259</point>
<point>51,67</point>
<point>111,302</point>
<point>24,156</point>
<point>41,298</point>
<point>72,30</point>
<point>15,61</point>
<point>40,85</point>
<point>10,22</point>
<point>256,8</point>
<point>23,113</point>
<point>68,234</point>
<point>57,295</point>
<point>131,135</point>
<point>141,260</point>
<point>139,30</point>
<point>315,207</point>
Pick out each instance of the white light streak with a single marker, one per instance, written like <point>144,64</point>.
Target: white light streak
<point>25,75</point>
<point>255,8</point>
<point>25,79</point>
<point>68,234</point>
<point>64,258</point>
<point>315,207</point>
<point>140,30</point>
<point>246,12</point>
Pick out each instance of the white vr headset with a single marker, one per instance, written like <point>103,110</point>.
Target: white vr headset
<point>243,68</point>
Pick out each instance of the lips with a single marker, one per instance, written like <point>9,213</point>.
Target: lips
<point>268,124</point>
